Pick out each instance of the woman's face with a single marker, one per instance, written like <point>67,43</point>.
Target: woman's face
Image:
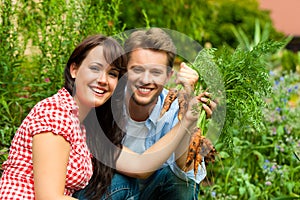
<point>95,79</point>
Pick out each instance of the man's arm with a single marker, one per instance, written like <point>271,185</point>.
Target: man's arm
<point>143,165</point>
<point>182,150</point>
<point>188,78</point>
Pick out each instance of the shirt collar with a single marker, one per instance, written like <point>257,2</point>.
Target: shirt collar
<point>155,114</point>
<point>68,101</point>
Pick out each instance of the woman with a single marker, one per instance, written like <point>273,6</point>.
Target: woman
<point>49,158</point>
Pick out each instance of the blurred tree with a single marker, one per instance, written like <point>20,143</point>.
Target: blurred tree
<point>207,21</point>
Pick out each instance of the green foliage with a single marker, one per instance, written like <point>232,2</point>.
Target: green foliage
<point>259,36</point>
<point>206,21</point>
<point>240,85</point>
<point>289,60</point>
<point>264,164</point>
<point>262,122</point>
<point>37,38</point>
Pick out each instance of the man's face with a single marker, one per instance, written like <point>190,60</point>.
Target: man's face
<point>147,75</point>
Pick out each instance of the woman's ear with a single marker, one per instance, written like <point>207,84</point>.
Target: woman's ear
<point>73,70</point>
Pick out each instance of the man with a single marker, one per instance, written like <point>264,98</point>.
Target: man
<point>151,55</point>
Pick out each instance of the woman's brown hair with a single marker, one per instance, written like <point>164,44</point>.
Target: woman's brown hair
<point>101,123</point>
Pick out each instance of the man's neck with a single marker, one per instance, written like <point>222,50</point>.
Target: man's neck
<point>139,112</point>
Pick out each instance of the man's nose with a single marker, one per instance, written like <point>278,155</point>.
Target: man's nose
<point>146,78</point>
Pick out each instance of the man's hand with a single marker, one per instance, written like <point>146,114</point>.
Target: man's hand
<point>208,104</point>
<point>187,76</point>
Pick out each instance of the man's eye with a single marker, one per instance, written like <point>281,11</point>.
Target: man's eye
<point>156,72</point>
<point>137,70</point>
<point>114,73</point>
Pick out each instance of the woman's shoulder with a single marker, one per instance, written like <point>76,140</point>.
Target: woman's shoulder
<point>61,100</point>
<point>54,114</point>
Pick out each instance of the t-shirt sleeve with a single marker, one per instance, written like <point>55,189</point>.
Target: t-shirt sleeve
<point>51,119</point>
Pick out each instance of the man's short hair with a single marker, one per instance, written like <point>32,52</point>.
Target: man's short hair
<point>154,39</point>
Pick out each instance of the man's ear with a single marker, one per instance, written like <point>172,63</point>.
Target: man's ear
<point>73,70</point>
<point>169,75</point>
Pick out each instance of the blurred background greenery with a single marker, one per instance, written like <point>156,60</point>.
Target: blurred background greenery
<point>37,37</point>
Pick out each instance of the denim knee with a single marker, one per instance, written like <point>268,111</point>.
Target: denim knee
<point>121,188</point>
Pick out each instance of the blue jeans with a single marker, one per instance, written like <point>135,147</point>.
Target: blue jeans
<point>165,185</point>
<point>121,188</point>
<point>162,185</point>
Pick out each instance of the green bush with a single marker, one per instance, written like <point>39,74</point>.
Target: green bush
<point>204,21</point>
<point>37,38</point>
<point>264,165</point>
<point>289,60</point>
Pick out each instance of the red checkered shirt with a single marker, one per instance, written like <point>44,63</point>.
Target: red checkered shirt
<point>57,114</point>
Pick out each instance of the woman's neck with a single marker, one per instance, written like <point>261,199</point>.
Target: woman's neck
<point>83,110</point>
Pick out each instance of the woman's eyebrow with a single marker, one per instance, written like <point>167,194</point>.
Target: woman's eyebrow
<point>97,63</point>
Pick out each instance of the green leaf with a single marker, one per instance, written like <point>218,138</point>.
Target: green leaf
<point>223,154</point>
<point>242,191</point>
<point>259,157</point>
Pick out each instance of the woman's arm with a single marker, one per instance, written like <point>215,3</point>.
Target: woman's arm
<point>143,165</point>
<point>50,154</point>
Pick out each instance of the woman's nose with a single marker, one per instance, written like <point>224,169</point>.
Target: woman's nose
<point>102,79</point>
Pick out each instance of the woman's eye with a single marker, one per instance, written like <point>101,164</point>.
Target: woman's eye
<point>94,68</point>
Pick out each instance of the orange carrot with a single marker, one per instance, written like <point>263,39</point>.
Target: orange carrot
<point>171,96</point>
<point>197,160</point>
<point>200,147</point>
<point>210,157</point>
<point>193,147</point>
<point>183,103</point>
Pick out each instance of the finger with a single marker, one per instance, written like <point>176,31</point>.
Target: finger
<point>187,71</point>
<point>186,68</point>
<point>205,100</point>
<point>188,74</point>
<point>209,95</point>
<point>209,102</point>
<point>207,110</point>
<point>185,81</point>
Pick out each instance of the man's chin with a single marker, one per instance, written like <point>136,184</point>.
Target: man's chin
<point>142,102</point>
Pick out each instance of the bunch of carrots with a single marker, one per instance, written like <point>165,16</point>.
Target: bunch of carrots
<point>240,81</point>
<point>200,147</point>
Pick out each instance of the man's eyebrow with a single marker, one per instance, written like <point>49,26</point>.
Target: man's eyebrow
<point>137,66</point>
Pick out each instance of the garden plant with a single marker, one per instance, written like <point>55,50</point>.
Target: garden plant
<point>259,144</point>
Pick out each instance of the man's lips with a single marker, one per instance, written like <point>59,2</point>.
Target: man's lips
<point>144,90</point>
